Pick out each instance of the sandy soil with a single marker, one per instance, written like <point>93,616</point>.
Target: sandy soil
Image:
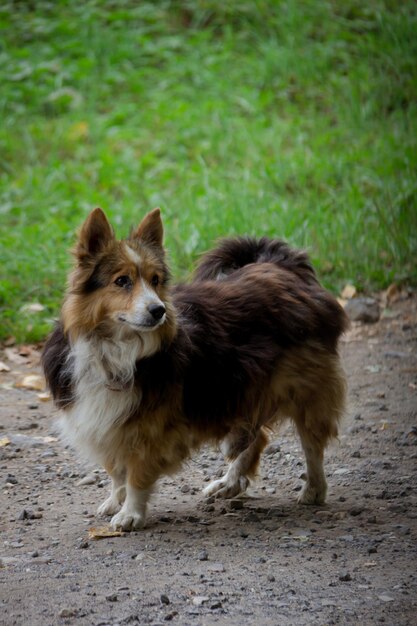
<point>261,559</point>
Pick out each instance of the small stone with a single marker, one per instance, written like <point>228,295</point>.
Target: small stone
<point>271,578</point>
<point>345,577</point>
<point>185,488</point>
<point>83,545</point>
<point>29,514</point>
<point>34,554</point>
<point>216,605</point>
<point>236,505</point>
<point>90,479</point>
<point>164,599</point>
<point>12,480</point>
<point>68,612</point>
<point>217,567</point>
<point>199,600</point>
<point>356,454</point>
<point>363,310</point>
<point>356,510</point>
<point>112,597</point>
<point>203,555</point>
<point>341,471</point>
<point>272,448</point>
<point>386,598</point>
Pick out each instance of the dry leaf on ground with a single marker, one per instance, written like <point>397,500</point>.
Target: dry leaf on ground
<point>33,382</point>
<point>103,532</point>
<point>349,291</point>
<point>13,355</point>
<point>32,307</point>
<point>44,397</point>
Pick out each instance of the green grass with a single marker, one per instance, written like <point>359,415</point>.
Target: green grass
<point>291,119</point>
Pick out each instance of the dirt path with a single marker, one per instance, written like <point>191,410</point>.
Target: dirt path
<point>258,560</point>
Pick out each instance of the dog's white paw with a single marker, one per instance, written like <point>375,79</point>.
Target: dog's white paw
<point>227,488</point>
<point>109,506</point>
<point>113,502</point>
<point>313,494</point>
<point>127,519</point>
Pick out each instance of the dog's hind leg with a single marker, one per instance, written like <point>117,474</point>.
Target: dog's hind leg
<point>314,443</point>
<point>118,491</point>
<point>245,452</point>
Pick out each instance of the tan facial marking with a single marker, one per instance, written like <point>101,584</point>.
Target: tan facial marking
<point>133,255</point>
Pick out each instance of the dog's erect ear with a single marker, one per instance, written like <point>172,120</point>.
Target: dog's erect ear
<point>94,235</point>
<point>150,230</point>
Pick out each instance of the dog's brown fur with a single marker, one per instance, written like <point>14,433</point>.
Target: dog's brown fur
<point>250,341</point>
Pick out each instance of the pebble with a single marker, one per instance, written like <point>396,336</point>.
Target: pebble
<point>164,599</point>
<point>112,597</point>
<point>217,567</point>
<point>185,488</point>
<point>363,310</point>
<point>29,514</point>
<point>203,555</point>
<point>385,598</point>
<point>68,612</point>
<point>90,479</point>
<point>236,505</point>
<point>345,577</point>
<point>216,605</point>
<point>356,510</point>
<point>199,600</point>
<point>272,448</point>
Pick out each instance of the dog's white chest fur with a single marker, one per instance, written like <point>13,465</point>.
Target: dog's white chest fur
<point>105,393</point>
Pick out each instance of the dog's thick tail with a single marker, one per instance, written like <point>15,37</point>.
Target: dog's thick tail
<point>232,254</point>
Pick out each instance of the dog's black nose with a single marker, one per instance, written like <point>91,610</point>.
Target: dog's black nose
<point>157,311</point>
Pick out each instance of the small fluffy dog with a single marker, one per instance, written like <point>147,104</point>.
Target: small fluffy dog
<point>144,374</point>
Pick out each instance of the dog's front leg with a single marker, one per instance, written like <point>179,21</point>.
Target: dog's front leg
<point>140,477</point>
<point>132,515</point>
<point>118,491</point>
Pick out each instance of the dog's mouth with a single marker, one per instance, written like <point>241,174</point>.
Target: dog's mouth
<point>144,325</point>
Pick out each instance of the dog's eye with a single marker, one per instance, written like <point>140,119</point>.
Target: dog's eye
<point>123,281</point>
<point>155,280</point>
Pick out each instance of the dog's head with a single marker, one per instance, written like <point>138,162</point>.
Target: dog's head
<point>119,287</point>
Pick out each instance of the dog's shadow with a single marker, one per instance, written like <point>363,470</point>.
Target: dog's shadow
<point>243,513</point>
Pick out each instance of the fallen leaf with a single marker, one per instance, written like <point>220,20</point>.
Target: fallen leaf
<point>13,355</point>
<point>79,130</point>
<point>103,532</point>
<point>44,397</point>
<point>393,293</point>
<point>33,381</point>
<point>4,441</point>
<point>4,367</point>
<point>32,307</point>
<point>348,292</point>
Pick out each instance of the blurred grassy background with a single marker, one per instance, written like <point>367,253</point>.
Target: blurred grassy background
<point>291,119</point>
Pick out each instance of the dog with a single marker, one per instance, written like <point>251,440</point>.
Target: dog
<point>144,373</point>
